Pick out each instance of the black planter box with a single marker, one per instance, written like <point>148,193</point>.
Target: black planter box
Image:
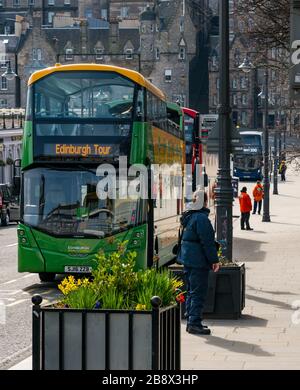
<point>226,292</point>
<point>77,339</point>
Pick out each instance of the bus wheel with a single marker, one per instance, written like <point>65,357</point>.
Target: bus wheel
<point>47,276</point>
<point>5,220</point>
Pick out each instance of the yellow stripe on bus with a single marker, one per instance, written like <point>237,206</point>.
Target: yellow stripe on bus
<point>131,74</point>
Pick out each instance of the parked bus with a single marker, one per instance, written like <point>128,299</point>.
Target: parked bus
<point>78,117</point>
<point>247,164</point>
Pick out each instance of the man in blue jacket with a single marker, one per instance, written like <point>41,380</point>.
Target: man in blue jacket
<point>198,254</point>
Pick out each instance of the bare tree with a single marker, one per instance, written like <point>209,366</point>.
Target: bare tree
<point>266,22</point>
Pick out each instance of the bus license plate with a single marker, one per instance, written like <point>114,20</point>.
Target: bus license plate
<point>78,269</point>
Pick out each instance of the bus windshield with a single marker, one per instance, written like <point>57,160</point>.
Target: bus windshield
<point>189,128</point>
<point>101,95</point>
<point>50,206</point>
<point>247,162</point>
<point>251,140</point>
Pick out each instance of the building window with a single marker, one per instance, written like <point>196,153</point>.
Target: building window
<point>4,62</point>
<point>50,17</point>
<point>181,25</point>
<point>214,61</point>
<point>157,53</point>
<point>215,100</point>
<point>124,12</point>
<point>67,2</point>
<point>143,28</point>
<point>99,53</point>
<point>3,103</point>
<point>51,2</point>
<point>168,75</point>
<point>3,83</point>
<point>218,83</point>
<point>37,54</point>
<point>7,29</point>
<point>157,28</point>
<point>244,82</point>
<point>244,118</point>
<point>234,84</point>
<point>234,99</point>
<point>16,3</point>
<point>30,2</point>
<point>244,100</point>
<point>69,55</point>
<point>104,13</point>
<point>181,55</point>
<point>128,54</point>
<point>1,3</point>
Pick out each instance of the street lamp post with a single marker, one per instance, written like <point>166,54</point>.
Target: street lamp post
<point>275,174</point>
<point>246,66</point>
<point>266,212</point>
<point>224,192</point>
<point>9,74</point>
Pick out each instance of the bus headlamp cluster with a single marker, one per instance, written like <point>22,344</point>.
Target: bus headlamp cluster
<point>136,240</point>
<point>22,237</point>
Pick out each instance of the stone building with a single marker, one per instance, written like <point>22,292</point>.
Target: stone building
<point>164,39</point>
<point>247,89</point>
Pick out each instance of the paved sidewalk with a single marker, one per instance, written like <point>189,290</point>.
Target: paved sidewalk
<point>265,337</point>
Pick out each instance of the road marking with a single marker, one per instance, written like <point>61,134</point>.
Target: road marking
<point>17,280</point>
<point>27,276</point>
<point>16,303</point>
<point>10,292</point>
<point>8,246</point>
<point>10,281</point>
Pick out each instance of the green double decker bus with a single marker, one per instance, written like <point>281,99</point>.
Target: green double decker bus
<point>78,118</point>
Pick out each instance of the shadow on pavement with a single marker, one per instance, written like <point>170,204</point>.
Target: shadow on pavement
<point>289,196</point>
<point>287,224</point>
<point>273,302</point>
<point>246,321</point>
<point>248,250</point>
<point>271,292</point>
<point>236,346</point>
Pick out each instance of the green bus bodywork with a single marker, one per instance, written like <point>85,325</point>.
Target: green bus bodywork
<point>41,252</point>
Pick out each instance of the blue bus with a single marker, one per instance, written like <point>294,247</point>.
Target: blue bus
<point>248,162</point>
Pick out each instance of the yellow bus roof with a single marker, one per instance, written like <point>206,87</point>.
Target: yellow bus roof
<point>131,74</point>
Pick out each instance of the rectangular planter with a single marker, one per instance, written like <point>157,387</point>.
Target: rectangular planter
<point>226,292</point>
<point>74,339</point>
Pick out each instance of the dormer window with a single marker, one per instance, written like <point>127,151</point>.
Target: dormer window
<point>128,54</point>
<point>99,53</point>
<point>182,53</point>
<point>69,55</point>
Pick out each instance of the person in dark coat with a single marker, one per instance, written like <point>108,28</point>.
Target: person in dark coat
<point>198,254</point>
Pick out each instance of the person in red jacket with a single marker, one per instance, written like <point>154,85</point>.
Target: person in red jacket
<point>258,195</point>
<point>246,207</point>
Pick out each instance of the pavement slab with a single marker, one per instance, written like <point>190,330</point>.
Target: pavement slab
<point>266,337</point>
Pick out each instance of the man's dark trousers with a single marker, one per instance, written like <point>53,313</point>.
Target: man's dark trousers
<point>245,220</point>
<point>197,287</point>
<point>255,206</point>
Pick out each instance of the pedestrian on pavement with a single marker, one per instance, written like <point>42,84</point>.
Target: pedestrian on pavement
<point>282,170</point>
<point>258,195</point>
<point>246,207</point>
<point>198,254</point>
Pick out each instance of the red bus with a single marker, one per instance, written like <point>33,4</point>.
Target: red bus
<point>194,147</point>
